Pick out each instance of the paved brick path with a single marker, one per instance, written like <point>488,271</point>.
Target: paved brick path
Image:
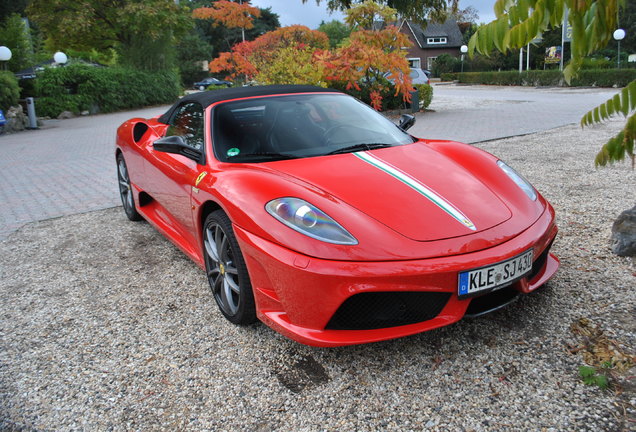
<point>68,167</point>
<point>480,113</point>
<point>65,168</point>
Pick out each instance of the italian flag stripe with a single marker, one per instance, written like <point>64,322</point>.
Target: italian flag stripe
<point>418,186</point>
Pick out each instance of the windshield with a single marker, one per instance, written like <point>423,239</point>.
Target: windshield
<point>297,126</point>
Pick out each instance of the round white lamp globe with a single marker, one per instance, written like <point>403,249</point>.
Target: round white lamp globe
<point>464,49</point>
<point>619,34</point>
<point>5,53</point>
<point>60,57</point>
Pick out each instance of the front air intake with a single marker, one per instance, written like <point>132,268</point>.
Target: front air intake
<point>375,310</point>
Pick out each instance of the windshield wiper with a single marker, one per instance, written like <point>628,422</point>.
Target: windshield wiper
<point>262,155</point>
<point>360,147</point>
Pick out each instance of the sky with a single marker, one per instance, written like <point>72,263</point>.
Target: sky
<point>308,14</point>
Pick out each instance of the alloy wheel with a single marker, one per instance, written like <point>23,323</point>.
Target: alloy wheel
<point>125,190</point>
<point>222,271</point>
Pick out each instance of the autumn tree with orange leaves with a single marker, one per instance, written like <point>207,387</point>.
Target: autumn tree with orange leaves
<point>229,14</point>
<point>258,58</point>
<point>371,64</point>
<point>371,58</point>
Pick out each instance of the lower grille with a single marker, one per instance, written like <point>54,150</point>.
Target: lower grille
<point>367,311</point>
<point>491,302</point>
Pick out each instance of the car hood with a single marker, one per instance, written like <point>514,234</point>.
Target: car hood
<point>412,189</point>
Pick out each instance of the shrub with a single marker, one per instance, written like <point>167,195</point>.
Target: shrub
<point>27,88</point>
<point>492,78</point>
<point>446,63</point>
<point>597,63</point>
<point>218,87</point>
<point>604,77</point>
<point>450,76</point>
<point>586,78</point>
<point>425,94</point>
<point>390,100</point>
<point>9,90</point>
<point>541,78</point>
<point>78,88</point>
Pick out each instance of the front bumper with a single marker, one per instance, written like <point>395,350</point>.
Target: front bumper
<point>298,296</point>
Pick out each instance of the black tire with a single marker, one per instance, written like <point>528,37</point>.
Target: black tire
<point>226,270</point>
<point>125,190</point>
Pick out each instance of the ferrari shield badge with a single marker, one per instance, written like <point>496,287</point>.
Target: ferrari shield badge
<point>201,176</point>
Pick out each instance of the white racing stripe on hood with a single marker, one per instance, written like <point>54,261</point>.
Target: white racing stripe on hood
<point>417,186</point>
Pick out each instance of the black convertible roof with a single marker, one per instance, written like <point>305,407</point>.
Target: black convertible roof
<point>207,98</point>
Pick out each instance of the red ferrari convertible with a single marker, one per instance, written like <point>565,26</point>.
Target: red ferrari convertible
<point>315,214</point>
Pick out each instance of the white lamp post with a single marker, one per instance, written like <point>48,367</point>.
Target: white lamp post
<point>5,55</point>
<point>464,50</point>
<point>619,35</point>
<point>60,58</point>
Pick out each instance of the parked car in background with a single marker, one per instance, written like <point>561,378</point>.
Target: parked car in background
<point>419,76</point>
<point>207,82</point>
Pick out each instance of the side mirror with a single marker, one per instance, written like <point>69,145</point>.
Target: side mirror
<point>406,121</point>
<point>177,144</point>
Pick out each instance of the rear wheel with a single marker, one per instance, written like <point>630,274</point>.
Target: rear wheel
<point>125,190</point>
<point>226,270</point>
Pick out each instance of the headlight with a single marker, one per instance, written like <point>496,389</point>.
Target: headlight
<point>307,219</point>
<point>519,180</point>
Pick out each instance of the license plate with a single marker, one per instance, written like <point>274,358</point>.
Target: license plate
<point>494,276</point>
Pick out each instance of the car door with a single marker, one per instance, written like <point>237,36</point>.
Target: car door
<point>171,176</point>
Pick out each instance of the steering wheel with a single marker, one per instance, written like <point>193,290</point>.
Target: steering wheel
<point>330,131</point>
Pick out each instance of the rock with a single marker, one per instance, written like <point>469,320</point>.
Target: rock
<point>624,233</point>
<point>66,115</point>
<point>16,119</point>
<point>84,113</point>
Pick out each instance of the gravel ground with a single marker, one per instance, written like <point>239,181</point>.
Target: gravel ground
<point>107,326</point>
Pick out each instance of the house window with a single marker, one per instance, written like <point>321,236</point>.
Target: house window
<point>415,62</point>
<point>436,40</point>
<point>430,61</point>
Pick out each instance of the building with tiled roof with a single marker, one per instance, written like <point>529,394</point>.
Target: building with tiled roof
<point>432,41</point>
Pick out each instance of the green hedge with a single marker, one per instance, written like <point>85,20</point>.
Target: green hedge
<point>79,88</point>
<point>9,90</point>
<point>425,94</point>
<point>450,76</point>
<point>605,77</point>
<point>551,78</point>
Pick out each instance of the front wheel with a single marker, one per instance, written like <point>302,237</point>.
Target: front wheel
<point>125,190</point>
<point>226,270</point>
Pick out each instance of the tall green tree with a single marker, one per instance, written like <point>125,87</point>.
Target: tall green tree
<point>627,21</point>
<point>142,31</point>
<point>14,34</point>
<point>416,10</point>
<point>223,38</point>
<point>267,22</point>
<point>593,23</point>
<point>193,55</point>
<point>8,7</point>
<point>336,31</point>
